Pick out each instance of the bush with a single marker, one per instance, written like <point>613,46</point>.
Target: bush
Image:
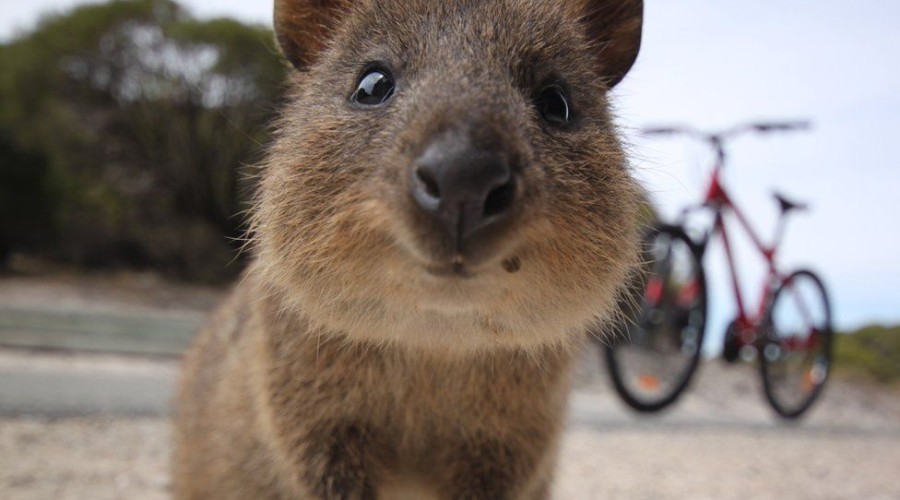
<point>123,132</point>
<point>873,351</point>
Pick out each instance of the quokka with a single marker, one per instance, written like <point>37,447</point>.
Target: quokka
<point>445,209</point>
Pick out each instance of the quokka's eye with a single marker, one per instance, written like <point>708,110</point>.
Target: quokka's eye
<point>374,88</point>
<point>553,104</point>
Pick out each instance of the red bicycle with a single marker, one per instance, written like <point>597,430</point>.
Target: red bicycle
<point>789,332</point>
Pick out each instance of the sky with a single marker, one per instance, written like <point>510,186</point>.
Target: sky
<point>715,64</point>
<point>835,63</point>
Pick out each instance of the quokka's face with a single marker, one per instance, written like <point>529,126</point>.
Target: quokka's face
<point>449,166</point>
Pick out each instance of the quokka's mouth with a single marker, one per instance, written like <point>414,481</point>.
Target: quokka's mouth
<point>456,267</point>
<point>459,267</point>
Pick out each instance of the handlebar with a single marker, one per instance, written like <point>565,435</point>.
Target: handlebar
<point>759,127</point>
<point>780,126</point>
<point>663,131</point>
<point>717,139</point>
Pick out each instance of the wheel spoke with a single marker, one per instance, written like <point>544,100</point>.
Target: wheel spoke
<point>653,364</point>
<point>797,351</point>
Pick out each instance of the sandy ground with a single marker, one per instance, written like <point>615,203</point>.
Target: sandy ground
<point>107,458</point>
<point>719,442</point>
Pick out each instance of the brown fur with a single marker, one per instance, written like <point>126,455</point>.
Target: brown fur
<point>343,366</point>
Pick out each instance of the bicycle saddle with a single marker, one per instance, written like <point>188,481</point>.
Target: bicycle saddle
<point>787,204</point>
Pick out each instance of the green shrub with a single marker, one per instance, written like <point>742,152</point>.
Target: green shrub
<point>124,127</point>
<point>872,351</point>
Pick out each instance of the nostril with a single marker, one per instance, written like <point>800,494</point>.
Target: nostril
<point>427,182</point>
<point>500,199</point>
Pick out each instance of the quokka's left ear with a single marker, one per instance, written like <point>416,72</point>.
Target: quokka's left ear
<point>614,27</point>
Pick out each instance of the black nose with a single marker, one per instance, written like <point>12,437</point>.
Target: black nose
<point>462,187</point>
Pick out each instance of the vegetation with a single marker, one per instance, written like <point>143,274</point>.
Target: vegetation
<point>123,130</point>
<point>873,351</point>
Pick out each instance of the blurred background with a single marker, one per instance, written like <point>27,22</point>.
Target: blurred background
<point>125,127</point>
<point>128,131</point>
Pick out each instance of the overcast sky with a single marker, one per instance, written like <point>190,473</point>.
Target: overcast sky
<point>714,64</point>
<point>834,62</point>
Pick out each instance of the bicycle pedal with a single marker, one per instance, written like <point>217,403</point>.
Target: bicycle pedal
<point>731,348</point>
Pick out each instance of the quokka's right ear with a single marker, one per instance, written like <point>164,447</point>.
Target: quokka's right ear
<point>303,27</point>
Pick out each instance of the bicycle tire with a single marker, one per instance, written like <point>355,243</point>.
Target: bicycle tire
<point>653,322</point>
<point>778,352</point>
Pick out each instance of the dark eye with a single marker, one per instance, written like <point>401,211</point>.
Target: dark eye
<point>553,104</point>
<point>374,88</point>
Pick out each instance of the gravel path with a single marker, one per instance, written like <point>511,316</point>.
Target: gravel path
<point>84,458</point>
<point>103,458</point>
<point>721,442</point>
<point>702,462</point>
<point>76,427</point>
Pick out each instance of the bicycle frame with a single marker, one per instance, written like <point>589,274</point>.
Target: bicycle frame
<point>718,199</point>
<point>791,345</point>
<point>721,203</point>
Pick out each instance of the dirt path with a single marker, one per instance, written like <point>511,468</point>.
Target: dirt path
<point>100,458</point>
<point>69,428</point>
<point>720,443</point>
<point>709,462</point>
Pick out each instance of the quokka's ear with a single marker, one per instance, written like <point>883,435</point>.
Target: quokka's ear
<point>303,27</point>
<point>614,27</point>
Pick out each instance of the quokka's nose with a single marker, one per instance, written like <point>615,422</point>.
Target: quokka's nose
<point>463,188</point>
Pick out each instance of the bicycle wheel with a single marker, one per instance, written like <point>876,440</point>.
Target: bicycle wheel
<point>797,341</point>
<point>656,352</point>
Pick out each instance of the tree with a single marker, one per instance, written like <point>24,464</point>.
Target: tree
<point>143,117</point>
